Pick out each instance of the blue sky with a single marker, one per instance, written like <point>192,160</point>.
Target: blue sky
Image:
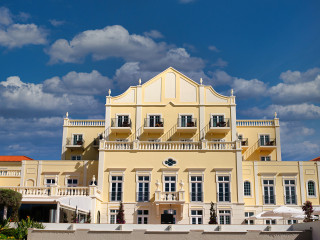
<point>58,56</point>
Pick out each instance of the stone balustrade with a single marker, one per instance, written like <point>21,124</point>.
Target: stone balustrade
<point>73,191</point>
<point>10,173</point>
<point>255,123</point>
<point>178,196</point>
<point>84,123</point>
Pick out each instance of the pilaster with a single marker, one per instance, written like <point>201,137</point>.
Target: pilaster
<point>233,117</point>
<point>64,136</point>
<point>108,111</point>
<point>302,189</point>
<point>101,169</point>
<point>202,119</point>
<point>39,173</point>
<point>239,173</point>
<point>278,143</point>
<point>139,107</point>
<point>23,166</point>
<point>256,182</point>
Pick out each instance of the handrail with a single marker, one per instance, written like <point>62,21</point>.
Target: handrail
<point>254,123</point>
<point>84,123</point>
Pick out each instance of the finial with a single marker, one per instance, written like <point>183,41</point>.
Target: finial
<point>93,180</point>
<point>275,114</point>
<point>231,92</point>
<point>67,115</point>
<point>201,81</point>
<point>139,81</point>
<point>109,92</point>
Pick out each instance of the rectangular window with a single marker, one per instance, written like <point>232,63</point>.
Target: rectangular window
<point>123,121</point>
<point>311,189</point>
<point>292,221</point>
<point>264,140</point>
<point>218,121</point>
<point>155,121</point>
<point>224,189</point>
<point>225,216</point>
<point>196,189</point>
<point>72,182</point>
<point>268,190</point>
<point>290,191</point>
<point>77,139</point>
<point>113,216</point>
<point>248,215</point>
<point>265,158</point>
<point>142,216</point>
<point>196,217</point>
<point>247,188</point>
<point>186,121</point>
<point>170,183</point>
<point>143,188</point>
<point>76,157</point>
<point>116,188</point>
<point>50,181</point>
<point>271,222</point>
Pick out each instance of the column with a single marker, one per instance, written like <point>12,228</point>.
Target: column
<point>233,116</point>
<point>202,118</point>
<point>58,213</point>
<point>256,182</point>
<point>302,189</point>
<point>138,109</point>
<point>239,174</point>
<point>278,143</point>
<point>64,136</point>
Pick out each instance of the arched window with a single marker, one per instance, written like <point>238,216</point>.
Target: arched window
<point>247,188</point>
<point>311,188</point>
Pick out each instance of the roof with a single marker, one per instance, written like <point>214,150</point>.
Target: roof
<point>316,159</point>
<point>14,158</point>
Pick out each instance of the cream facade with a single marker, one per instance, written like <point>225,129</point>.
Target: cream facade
<point>170,145</point>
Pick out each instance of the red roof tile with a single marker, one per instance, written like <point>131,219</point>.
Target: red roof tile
<point>316,159</point>
<point>14,158</point>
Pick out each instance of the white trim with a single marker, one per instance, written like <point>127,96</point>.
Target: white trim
<point>251,195</point>
<point>71,176</point>
<point>195,174</point>
<point>169,174</point>
<point>196,209</point>
<point>302,190</point>
<point>256,182</point>
<point>315,189</point>
<point>284,188</point>
<point>163,162</point>
<point>55,177</point>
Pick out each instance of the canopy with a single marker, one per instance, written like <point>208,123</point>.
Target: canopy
<point>261,217</point>
<point>284,212</point>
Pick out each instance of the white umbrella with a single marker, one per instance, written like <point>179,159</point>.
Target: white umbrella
<point>316,211</point>
<point>283,211</point>
<point>261,217</point>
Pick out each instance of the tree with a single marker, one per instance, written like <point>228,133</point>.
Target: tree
<point>308,210</point>
<point>120,215</point>
<point>213,215</point>
<point>10,198</point>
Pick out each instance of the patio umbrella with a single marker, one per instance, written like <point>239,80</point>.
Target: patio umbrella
<point>316,211</point>
<point>284,212</point>
<point>261,217</point>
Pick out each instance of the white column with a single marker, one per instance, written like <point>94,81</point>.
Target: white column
<point>239,175</point>
<point>302,189</point>
<point>23,166</point>
<point>64,137</point>
<point>278,143</point>
<point>85,172</point>
<point>233,120</point>
<point>202,117</point>
<point>139,108</point>
<point>101,169</point>
<point>256,182</point>
<point>108,114</point>
<point>39,173</point>
<point>58,213</point>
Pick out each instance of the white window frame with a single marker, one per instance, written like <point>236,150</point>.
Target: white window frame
<point>73,134</point>
<point>196,174</point>
<point>264,134</point>
<point>153,114</point>
<point>249,221</point>
<point>116,174</point>
<point>122,114</point>
<point>113,212</point>
<point>76,157</point>
<point>225,214</point>
<point>55,177</point>
<point>164,182</point>
<point>71,177</point>
<point>271,221</point>
<point>265,156</point>
<point>315,189</point>
<point>184,114</point>
<point>284,189</point>
<point>248,196</point>
<point>292,221</point>
<point>217,114</point>
<point>143,174</point>
<point>217,186</point>
<point>274,189</point>
<point>143,216</point>
<point>197,216</point>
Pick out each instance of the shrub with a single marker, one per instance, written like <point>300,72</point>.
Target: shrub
<point>23,225</point>
<point>120,215</point>
<point>10,198</point>
<point>308,210</point>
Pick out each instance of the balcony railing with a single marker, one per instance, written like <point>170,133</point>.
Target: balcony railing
<point>269,199</point>
<point>74,142</point>
<point>115,196</point>
<point>153,122</point>
<point>196,197</point>
<point>290,199</point>
<point>254,123</point>
<point>120,122</point>
<point>169,145</point>
<point>84,123</point>
<point>73,191</point>
<point>167,197</point>
<point>10,173</point>
<point>216,124</point>
<point>267,142</point>
<point>117,145</point>
<point>143,196</point>
<point>244,142</point>
<point>215,145</point>
<point>224,197</point>
<point>187,122</point>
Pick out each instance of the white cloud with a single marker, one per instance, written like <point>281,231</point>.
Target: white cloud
<point>298,112</point>
<point>298,89</point>
<point>79,83</point>
<point>213,48</point>
<point>116,41</point>
<point>154,34</point>
<point>14,35</point>
<point>220,63</point>
<point>297,76</point>
<point>28,99</point>
<point>56,23</point>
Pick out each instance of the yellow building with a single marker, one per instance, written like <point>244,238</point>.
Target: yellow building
<point>168,146</point>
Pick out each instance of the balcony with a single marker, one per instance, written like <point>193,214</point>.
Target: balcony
<point>153,125</point>
<point>74,144</point>
<point>269,199</point>
<point>244,143</point>
<point>121,125</point>
<point>267,144</point>
<point>10,173</point>
<point>187,125</point>
<point>169,197</point>
<point>219,126</point>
